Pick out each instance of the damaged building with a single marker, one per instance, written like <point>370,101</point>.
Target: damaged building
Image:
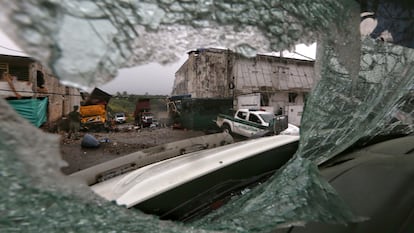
<point>280,84</point>
<point>34,92</point>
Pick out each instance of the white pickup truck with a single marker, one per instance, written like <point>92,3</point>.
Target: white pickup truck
<point>249,123</point>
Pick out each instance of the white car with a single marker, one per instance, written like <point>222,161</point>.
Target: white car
<point>251,123</point>
<point>120,118</point>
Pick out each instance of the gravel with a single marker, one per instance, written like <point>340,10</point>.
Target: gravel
<point>125,140</point>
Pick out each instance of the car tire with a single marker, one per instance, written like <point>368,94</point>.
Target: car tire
<point>226,128</point>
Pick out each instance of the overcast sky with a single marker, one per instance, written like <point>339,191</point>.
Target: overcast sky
<point>152,78</point>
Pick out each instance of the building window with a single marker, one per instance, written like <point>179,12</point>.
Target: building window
<point>40,80</point>
<point>264,99</point>
<point>20,71</point>
<point>4,67</point>
<point>292,97</point>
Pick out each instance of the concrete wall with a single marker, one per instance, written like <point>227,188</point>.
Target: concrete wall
<point>211,73</point>
<point>61,98</point>
<point>205,74</point>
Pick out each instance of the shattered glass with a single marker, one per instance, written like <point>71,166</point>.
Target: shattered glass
<point>85,42</point>
<point>297,195</point>
<point>367,108</point>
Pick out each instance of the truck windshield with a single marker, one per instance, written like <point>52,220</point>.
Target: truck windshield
<point>267,117</point>
<point>365,89</point>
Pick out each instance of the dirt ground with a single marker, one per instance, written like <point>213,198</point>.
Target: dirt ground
<point>114,144</point>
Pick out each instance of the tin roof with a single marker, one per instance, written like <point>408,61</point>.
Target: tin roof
<point>8,47</point>
<point>269,73</point>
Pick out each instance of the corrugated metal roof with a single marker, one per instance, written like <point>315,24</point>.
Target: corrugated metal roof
<point>273,74</point>
<point>8,47</point>
<point>263,73</point>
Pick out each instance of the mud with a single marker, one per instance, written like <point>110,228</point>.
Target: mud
<point>117,143</point>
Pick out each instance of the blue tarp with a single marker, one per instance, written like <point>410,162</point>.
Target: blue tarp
<point>34,110</point>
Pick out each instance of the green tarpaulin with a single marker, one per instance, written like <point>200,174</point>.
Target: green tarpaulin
<point>34,110</point>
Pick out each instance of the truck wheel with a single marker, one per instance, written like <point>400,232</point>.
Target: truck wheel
<point>226,128</point>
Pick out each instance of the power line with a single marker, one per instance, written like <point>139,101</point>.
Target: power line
<point>47,93</point>
<point>61,94</point>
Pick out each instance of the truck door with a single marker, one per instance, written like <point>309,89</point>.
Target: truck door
<point>254,124</point>
<point>246,125</point>
<point>239,125</point>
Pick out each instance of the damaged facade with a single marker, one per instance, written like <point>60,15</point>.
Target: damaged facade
<point>220,73</point>
<point>22,78</point>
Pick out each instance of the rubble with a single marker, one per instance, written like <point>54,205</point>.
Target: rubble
<point>119,143</point>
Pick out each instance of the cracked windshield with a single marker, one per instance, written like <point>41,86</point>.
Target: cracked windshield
<point>207,116</point>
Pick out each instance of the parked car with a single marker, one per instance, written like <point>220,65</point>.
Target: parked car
<point>143,116</point>
<point>144,119</point>
<point>249,123</point>
<point>120,118</point>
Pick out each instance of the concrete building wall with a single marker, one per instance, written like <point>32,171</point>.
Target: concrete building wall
<point>218,73</point>
<point>180,85</point>
<point>208,73</point>
<point>278,100</point>
<point>61,99</point>
<point>205,74</point>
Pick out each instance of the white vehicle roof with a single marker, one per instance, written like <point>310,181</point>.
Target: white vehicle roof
<point>144,183</point>
<point>256,111</point>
